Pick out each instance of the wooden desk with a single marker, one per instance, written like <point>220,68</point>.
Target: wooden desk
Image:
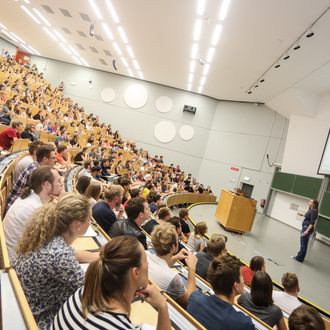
<point>236,213</point>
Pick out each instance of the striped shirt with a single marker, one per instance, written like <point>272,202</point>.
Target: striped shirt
<point>71,317</point>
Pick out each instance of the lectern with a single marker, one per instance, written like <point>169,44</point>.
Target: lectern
<point>236,213</point>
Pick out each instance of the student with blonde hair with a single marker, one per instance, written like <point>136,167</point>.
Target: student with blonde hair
<point>165,243</point>
<point>111,283</point>
<point>197,240</point>
<point>46,263</point>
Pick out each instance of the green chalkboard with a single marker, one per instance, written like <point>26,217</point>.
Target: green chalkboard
<point>325,204</point>
<point>283,181</point>
<point>306,186</point>
<point>323,226</point>
<point>300,185</point>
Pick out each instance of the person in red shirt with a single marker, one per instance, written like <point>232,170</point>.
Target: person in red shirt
<point>9,135</point>
<point>257,263</point>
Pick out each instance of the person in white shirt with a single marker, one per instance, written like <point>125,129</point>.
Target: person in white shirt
<point>27,160</point>
<point>45,184</point>
<point>288,300</point>
<point>165,243</point>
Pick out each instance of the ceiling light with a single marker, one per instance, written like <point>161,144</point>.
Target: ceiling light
<point>210,55</point>
<point>33,50</point>
<point>1,25</point>
<point>256,86</point>
<point>76,60</point>
<point>262,80</point>
<point>200,60</point>
<point>90,84</point>
<point>9,35</point>
<point>114,64</point>
<point>136,65</point>
<point>91,30</point>
<point>192,66</point>
<point>84,62</point>
<point>194,51</point>
<point>23,46</point>
<point>190,77</point>
<point>297,46</point>
<point>216,34</point>
<point>17,37</point>
<point>197,29</point>
<point>41,16</point>
<point>277,65</point>
<point>310,34</point>
<point>96,10</point>
<point>286,57</point>
<point>67,50</point>
<point>27,1</point>
<point>50,34</point>
<point>60,36</point>
<point>107,30</point>
<point>203,79</point>
<point>189,86</point>
<point>200,88</point>
<point>124,62</point>
<point>122,35</point>
<point>249,92</point>
<point>117,48</point>
<point>30,14</point>
<point>206,69</point>
<point>140,74</point>
<point>200,7</point>
<point>112,11</point>
<point>224,9</point>
<point>130,72</point>
<point>73,50</point>
<point>130,51</point>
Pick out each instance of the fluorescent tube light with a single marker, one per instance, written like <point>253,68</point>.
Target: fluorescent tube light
<point>41,16</point>
<point>112,11</point>
<point>192,66</point>
<point>216,34</point>
<point>96,10</point>
<point>60,36</point>
<point>76,60</point>
<point>49,33</point>
<point>1,25</point>
<point>117,48</point>
<point>140,74</point>
<point>190,77</point>
<point>124,62</point>
<point>203,79</point>
<point>84,62</point>
<point>197,29</point>
<point>224,9</point>
<point>200,7</point>
<point>30,14</point>
<point>194,51</point>
<point>206,69</point>
<point>136,65</point>
<point>130,51</point>
<point>210,55</point>
<point>9,35</point>
<point>17,37</point>
<point>200,89</point>
<point>73,50</point>
<point>122,35</point>
<point>67,50</point>
<point>107,31</point>
<point>33,50</point>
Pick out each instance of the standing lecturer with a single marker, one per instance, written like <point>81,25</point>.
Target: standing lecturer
<point>307,228</point>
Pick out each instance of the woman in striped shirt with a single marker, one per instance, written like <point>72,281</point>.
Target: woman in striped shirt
<point>111,283</point>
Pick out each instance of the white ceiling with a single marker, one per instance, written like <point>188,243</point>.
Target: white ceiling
<point>254,35</point>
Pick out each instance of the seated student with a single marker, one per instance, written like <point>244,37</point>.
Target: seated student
<point>134,193</point>
<point>62,137</point>
<point>86,171</point>
<point>93,193</point>
<point>126,184</point>
<point>46,263</point>
<point>257,263</point>
<point>62,155</point>
<point>184,217</point>
<point>216,311</point>
<point>163,215</point>
<point>103,210</point>
<point>306,318</point>
<point>260,303</point>
<point>288,300</point>
<point>197,240</point>
<point>81,156</point>
<point>165,243</point>
<point>137,211</point>
<point>9,135</point>
<point>111,283</point>
<point>27,160</point>
<point>105,166</point>
<point>154,204</point>
<point>29,131</point>
<point>74,143</point>
<point>216,247</point>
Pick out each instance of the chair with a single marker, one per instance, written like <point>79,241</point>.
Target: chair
<point>25,144</point>
<point>4,258</point>
<point>16,145</point>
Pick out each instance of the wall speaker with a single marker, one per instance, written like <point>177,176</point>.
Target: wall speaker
<point>189,108</point>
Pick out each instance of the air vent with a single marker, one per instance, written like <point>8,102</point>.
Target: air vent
<point>102,61</point>
<point>66,30</point>
<point>47,9</point>
<point>107,52</point>
<point>65,12</point>
<point>85,17</point>
<point>98,37</point>
<point>80,46</point>
<point>93,49</point>
<point>82,34</point>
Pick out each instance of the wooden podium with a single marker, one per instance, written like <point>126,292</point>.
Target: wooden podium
<point>236,213</point>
